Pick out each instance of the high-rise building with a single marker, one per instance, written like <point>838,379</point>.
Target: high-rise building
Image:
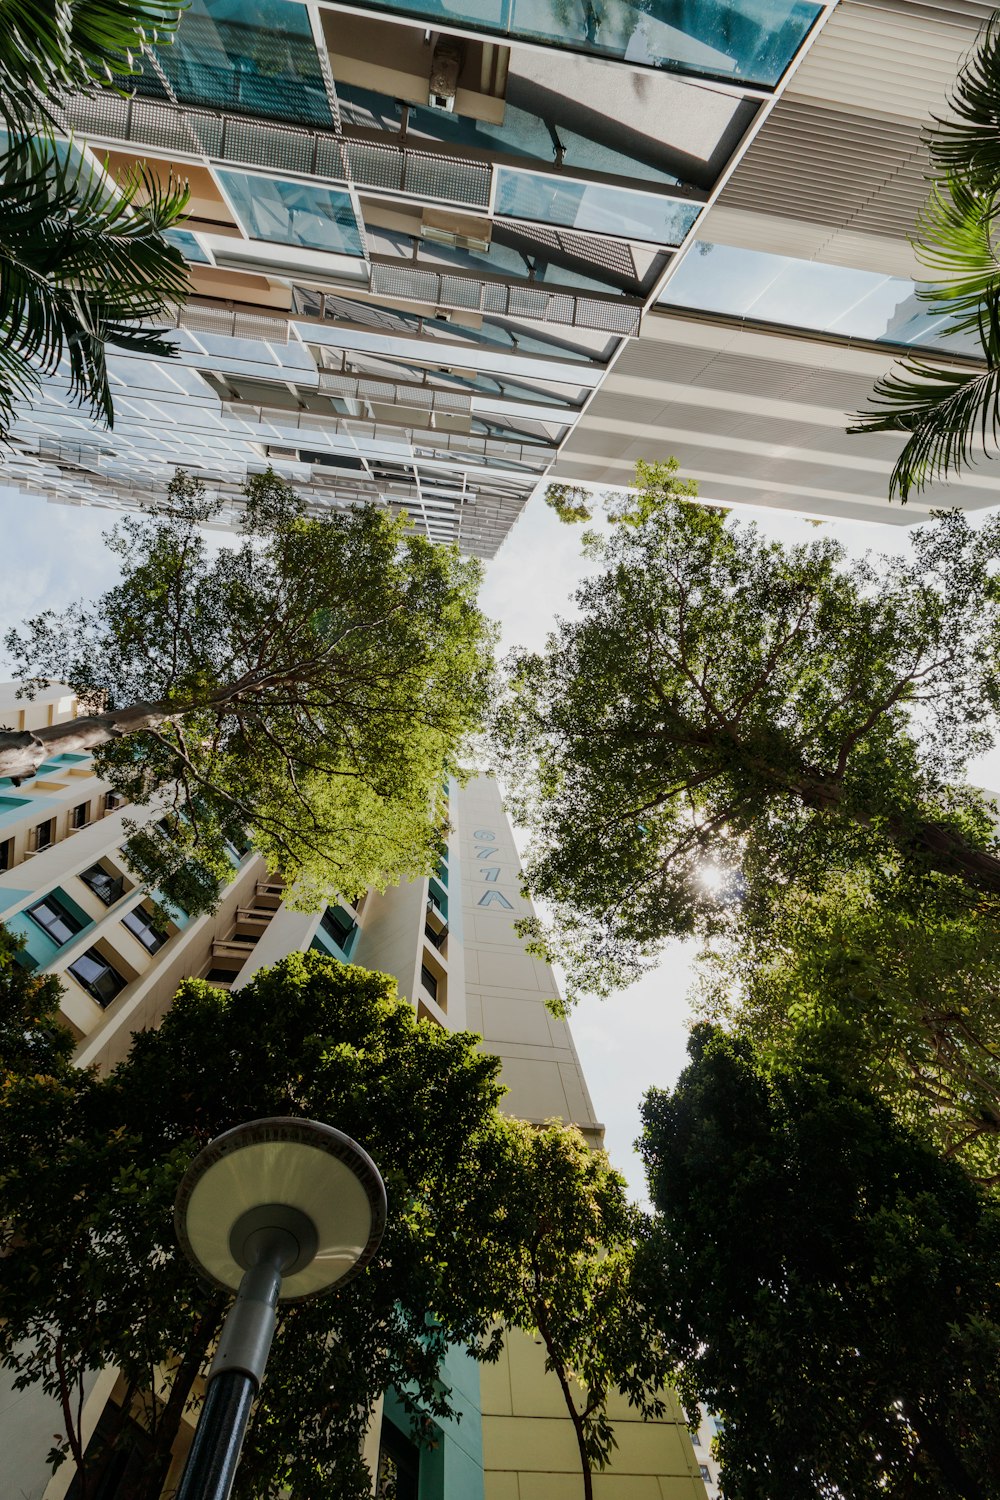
<point>797,292</point>
<point>420,236</point>
<point>449,941</point>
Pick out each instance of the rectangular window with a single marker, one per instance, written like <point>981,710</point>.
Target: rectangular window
<point>429,982</point>
<point>52,917</point>
<point>140,923</point>
<point>108,888</point>
<point>337,927</point>
<point>112,800</point>
<point>6,854</point>
<point>97,976</point>
<point>80,816</point>
<point>436,939</point>
<point>593,207</point>
<point>44,833</point>
<point>282,212</point>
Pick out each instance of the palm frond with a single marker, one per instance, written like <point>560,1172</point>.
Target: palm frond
<point>952,415</point>
<point>956,238</point>
<point>966,143</point>
<point>82,265</point>
<point>52,45</point>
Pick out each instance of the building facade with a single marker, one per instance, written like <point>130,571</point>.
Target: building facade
<point>449,941</point>
<point>420,237</point>
<point>798,290</point>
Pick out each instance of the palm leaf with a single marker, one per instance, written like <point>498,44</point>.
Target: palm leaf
<point>82,265</point>
<point>967,142</point>
<point>47,46</point>
<point>952,416</point>
<point>955,237</point>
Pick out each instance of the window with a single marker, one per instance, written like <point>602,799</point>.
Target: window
<point>6,854</point>
<point>53,918</point>
<point>398,1476</point>
<point>97,976</point>
<point>337,926</point>
<point>283,212</point>
<point>436,939</point>
<point>703,1471</point>
<point>107,887</point>
<point>45,833</point>
<point>80,816</point>
<point>141,924</point>
<point>429,981</point>
<point>112,800</point>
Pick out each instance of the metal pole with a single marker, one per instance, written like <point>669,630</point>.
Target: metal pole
<point>236,1374</point>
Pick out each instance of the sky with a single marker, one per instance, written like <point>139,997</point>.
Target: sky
<point>52,554</point>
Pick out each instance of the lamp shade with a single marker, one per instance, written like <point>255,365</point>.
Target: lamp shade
<point>288,1164</point>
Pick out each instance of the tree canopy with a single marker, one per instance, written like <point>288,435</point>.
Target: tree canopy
<point>313,686</point>
<point>92,1271</point>
<point>725,717</point>
<point>828,1283</point>
<point>574,1234</point>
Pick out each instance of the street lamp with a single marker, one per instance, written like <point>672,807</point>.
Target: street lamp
<point>274,1210</point>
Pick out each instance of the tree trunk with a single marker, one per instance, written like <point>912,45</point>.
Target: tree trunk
<point>574,1415</point>
<point>148,1484</point>
<point>937,1444</point>
<point>23,751</point>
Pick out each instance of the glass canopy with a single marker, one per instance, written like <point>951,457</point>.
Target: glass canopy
<point>746,41</point>
<point>293,213</point>
<point>810,294</point>
<point>594,207</point>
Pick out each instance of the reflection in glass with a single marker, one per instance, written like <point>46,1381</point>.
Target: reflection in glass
<point>527,261</point>
<point>593,206</point>
<point>188,244</point>
<point>294,213</point>
<point>259,59</point>
<point>538,124</point>
<point>492,333</point>
<point>810,294</point>
<point>751,41</point>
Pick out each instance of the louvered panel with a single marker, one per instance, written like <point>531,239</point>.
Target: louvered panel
<point>875,60</point>
<point>821,165</point>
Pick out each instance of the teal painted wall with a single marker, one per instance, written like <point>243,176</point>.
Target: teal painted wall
<point>453,1470</point>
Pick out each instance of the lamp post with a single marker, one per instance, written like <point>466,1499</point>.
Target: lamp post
<point>274,1210</point>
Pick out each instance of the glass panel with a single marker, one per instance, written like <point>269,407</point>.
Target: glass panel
<point>106,887</point>
<point>529,264</point>
<point>593,206</point>
<point>260,59</point>
<point>97,976</point>
<point>294,213</point>
<point>140,924</point>
<point>188,244</point>
<point>492,333</point>
<point>53,918</point>
<point>810,294</point>
<point>747,40</point>
<point>538,124</point>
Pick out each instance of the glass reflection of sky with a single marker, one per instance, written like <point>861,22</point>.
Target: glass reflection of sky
<point>188,244</point>
<point>294,213</point>
<point>593,207</point>
<point>809,294</point>
<point>260,59</point>
<point>748,40</point>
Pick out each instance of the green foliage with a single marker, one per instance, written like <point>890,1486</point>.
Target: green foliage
<point>569,501</point>
<point>314,685</point>
<point>725,717</point>
<point>93,1274</point>
<point>952,415</point>
<point>79,45</point>
<point>905,999</point>
<point>829,1284</point>
<point>82,265</point>
<point>33,1040</point>
<point>575,1234</point>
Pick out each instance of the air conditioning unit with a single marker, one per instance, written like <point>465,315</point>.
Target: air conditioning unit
<point>446,64</point>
